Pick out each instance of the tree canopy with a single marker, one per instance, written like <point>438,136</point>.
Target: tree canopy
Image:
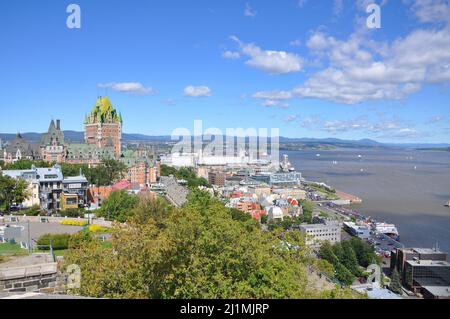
<point>201,250</point>
<point>12,191</point>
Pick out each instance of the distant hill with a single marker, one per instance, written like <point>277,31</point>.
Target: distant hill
<point>78,137</point>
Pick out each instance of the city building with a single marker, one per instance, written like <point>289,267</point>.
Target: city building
<point>88,154</point>
<point>423,270</point>
<point>275,213</point>
<point>96,195</point>
<point>142,168</point>
<point>217,178</point>
<point>326,231</point>
<point>19,149</point>
<point>74,194</point>
<point>50,190</point>
<point>53,147</point>
<point>361,231</point>
<point>285,179</point>
<point>103,126</point>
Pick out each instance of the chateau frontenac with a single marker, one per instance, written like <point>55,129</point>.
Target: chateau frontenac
<point>102,139</point>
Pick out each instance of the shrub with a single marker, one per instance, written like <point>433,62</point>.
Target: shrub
<point>59,241</point>
<point>98,229</point>
<point>73,212</point>
<point>34,210</point>
<point>74,222</point>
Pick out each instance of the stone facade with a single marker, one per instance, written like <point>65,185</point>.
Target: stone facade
<point>53,147</point>
<point>103,126</point>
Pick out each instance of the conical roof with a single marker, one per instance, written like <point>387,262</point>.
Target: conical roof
<point>103,112</point>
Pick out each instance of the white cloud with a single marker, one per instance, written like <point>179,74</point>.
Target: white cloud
<point>249,11</point>
<point>197,91</point>
<point>272,62</point>
<point>231,55</point>
<point>430,10</point>
<point>295,43</point>
<point>360,69</point>
<point>129,87</point>
<point>273,95</point>
<point>274,103</point>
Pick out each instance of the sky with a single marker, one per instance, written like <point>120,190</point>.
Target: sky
<point>312,68</point>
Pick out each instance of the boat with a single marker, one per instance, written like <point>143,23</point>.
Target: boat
<point>388,230</point>
<point>448,203</point>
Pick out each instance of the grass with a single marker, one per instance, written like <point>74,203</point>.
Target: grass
<point>11,249</point>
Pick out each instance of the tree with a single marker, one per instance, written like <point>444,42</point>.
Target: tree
<point>25,164</point>
<point>396,285</point>
<point>114,169</point>
<point>196,251</point>
<point>12,191</point>
<point>118,206</point>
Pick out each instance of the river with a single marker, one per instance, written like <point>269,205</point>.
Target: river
<point>405,187</point>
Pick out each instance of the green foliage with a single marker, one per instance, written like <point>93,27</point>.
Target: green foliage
<point>308,208</point>
<point>347,258</point>
<point>236,214</point>
<point>34,210</point>
<point>395,285</point>
<point>74,213</point>
<point>196,251</point>
<point>118,206</point>
<point>264,219</point>
<point>287,223</point>
<point>187,174</point>
<point>58,241</point>
<point>364,252</point>
<point>25,164</point>
<point>12,191</point>
<point>106,173</point>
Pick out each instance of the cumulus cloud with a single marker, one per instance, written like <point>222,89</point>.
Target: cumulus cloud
<point>129,87</point>
<point>197,91</point>
<point>270,61</point>
<point>359,69</point>
<point>430,10</point>
<point>231,55</point>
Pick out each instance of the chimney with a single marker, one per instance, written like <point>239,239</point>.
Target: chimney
<point>58,124</point>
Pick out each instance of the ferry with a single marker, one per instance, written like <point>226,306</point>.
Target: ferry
<point>388,230</point>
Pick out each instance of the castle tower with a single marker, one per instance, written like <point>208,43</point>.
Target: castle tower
<point>103,126</point>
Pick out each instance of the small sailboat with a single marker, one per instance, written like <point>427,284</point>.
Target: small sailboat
<point>317,155</point>
<point>448,203</point>
<point>359,156</point>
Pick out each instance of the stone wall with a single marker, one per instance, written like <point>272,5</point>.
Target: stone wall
<point>43,278</point>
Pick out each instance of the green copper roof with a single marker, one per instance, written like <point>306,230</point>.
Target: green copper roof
<point>103,112</point>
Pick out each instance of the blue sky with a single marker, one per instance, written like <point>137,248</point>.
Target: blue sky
<point>310,68</point>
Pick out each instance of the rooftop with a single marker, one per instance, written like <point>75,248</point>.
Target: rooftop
<point>441,291</point>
